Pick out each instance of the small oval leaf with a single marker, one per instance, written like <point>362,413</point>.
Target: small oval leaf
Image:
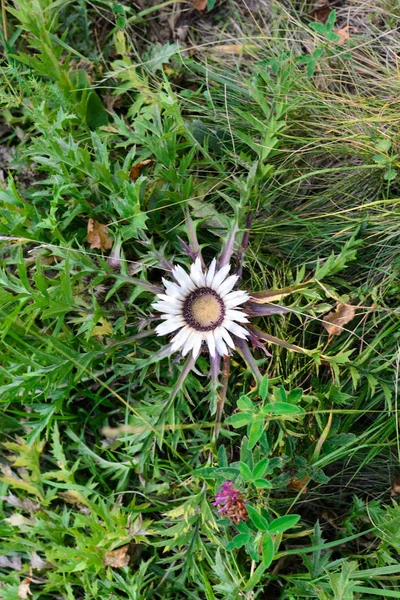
<point>260,468</point>
<point>258,521</point>
<point>262,484</point>
<point>238,541</point>
<point>238,420</point>
<point>283,523</point>
<point>267,550</point>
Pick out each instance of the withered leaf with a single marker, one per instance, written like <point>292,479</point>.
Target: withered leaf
<point>135,170</point>
<point>200,4</point>
<point>11,562</point>
<point>38,563</point>
<point>72,496</point>
<point>26,504</point>
<point>395,487</point>
<point>321,11</point>
<point>24,589</point>
<point>97,235</point>
<point>117,558</point>
<point>299,485</point>
<point>344,34</point>
<point>338,318</point>
<point>274,295</point>
<point>103,328</point>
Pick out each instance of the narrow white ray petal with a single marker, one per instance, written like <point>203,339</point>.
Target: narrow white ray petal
<point>183,279</point>
<point>236,315</point>
<point>211,273</point>
<point>190,342</point>
<point>180,338</point>
<point>167,307</point>
<point>226,286</point>
<point>220,276</point>
<point>227,337</point>
<point>172,289</point>
<point>174,317</point>
<point>235,298</point>
<point>219,342</point>
<point>196,273</point>
<point>236,329</point>
<point>169,326</point>
<point>210,342</point>
<point>197,345</point>
<point>170,299</point>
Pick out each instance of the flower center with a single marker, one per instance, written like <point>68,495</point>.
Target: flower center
<point>204,309</point>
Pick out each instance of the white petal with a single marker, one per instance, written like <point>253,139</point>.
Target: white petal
<point>236,315</point>
<point>172,289</point>
<point>180,338</point>
<point>170,299</point>
<point>211,273</point>
<point>235,298</point>
<point>226,286</point>
<point>197,345</point>
<point>220,276</point>
<point>169,326</point>
<point>183,279</point>
<point>167,307</point>
<point>211,342</point>
<point>219,342</point>
<point>227,337</point>
<point>236,329</point>
<point>191,341</point>
<point>196,273</point>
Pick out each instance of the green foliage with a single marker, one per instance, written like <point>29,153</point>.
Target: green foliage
<point>107,485</point>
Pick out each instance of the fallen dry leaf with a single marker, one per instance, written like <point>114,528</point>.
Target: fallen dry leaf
<point>344,34</point>
<point>395,487</point>
<point>299,485</point>
<point>117,558</point>
<point>135,170</point>
<point>17,520</point>
<point>273,295</point>
<point>321,11</point>
<point>103,329</point>
<point>200,4</point>
<point>38,563</point>
<point>24,589</point>
<point>72,496</point>
<point>97,235</point>
<point>11,562</point>
<point>338,318</point>
<point>26,504</point>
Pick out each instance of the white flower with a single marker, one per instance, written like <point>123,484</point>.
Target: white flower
<point>203,308</point>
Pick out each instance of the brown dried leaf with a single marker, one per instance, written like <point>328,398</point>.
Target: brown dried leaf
<point>274,295</point>
<point>103,329</point>
<point>321,11</point>
<point>97,235</point>
<point>299,485</point>
<point>11,562</point>
<point>135,170</point>
<point>344,34</point>
<point>338,318</point>
<point>72,496</point>
<point>200,4</point>
<point>395,487</point>
<point>24,589</point>
<point>38,563</point>
<point>26,504</point>
<point>117,558</point>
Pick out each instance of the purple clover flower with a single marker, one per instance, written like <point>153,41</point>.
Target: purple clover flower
<point>232,502</point>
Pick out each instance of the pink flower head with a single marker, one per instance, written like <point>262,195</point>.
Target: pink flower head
<point>232,502</point>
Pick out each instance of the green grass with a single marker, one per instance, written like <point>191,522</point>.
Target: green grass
<point>294,130</point>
